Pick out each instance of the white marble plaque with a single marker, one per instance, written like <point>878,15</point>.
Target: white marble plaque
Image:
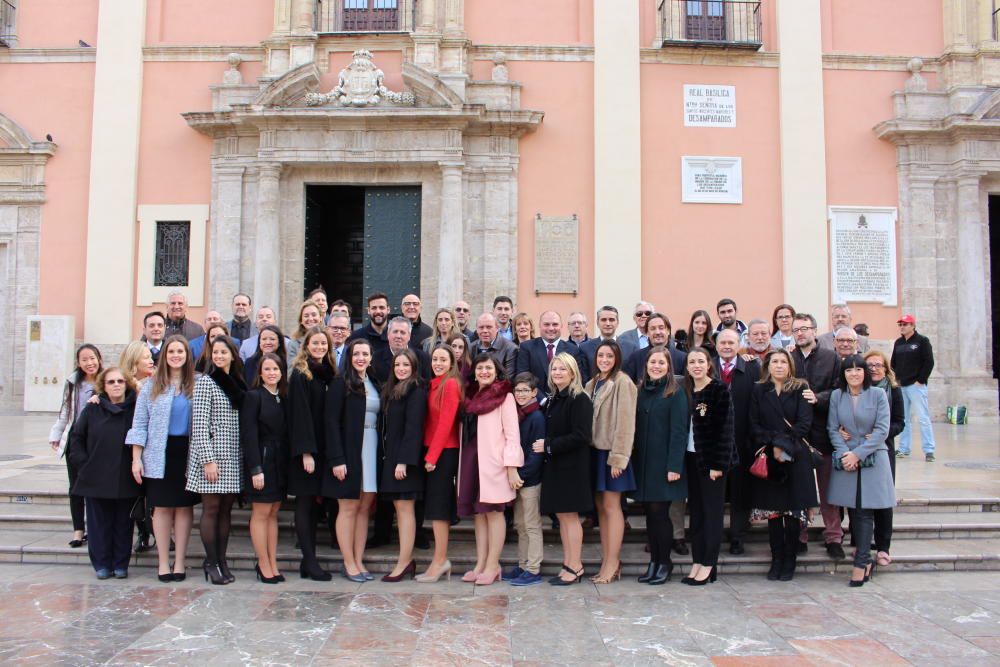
<point>711,180</point>
<point>707,105</point>
<point>557,254</point>
<point>48,361</point>
<point>863,254</point>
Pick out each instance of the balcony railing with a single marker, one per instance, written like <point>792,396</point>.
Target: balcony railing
<point>365,16</point>
<point>8,12</point>
<point>720,23</point>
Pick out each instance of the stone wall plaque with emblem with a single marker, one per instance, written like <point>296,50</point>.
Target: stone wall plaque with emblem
<point>863,254</point>
<point>709,105</point>
<point>557,254</point>
<point>711,180</point>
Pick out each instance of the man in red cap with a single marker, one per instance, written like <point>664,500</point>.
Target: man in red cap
<point>913,361</point>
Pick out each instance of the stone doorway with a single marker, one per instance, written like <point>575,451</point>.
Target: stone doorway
<point>362,239</point>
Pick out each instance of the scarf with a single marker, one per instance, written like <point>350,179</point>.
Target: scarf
<point>487,399</point>
<point>321,370</point>
<point>883,384</point>
<point>524,410</point>
<point>233,386</point>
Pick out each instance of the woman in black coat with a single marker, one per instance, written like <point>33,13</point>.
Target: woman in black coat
<point>780,419</point>
<point>104,478</point>
<point>351,473</point>
<point>709,457</point>
<point>569,424</point>
<point>264,441</point>
<point>270,340</point>
<point>312,372</point>
<point>404,409</point>
<point>883,377</point>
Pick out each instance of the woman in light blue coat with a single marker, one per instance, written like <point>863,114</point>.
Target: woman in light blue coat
<point>861,480</point>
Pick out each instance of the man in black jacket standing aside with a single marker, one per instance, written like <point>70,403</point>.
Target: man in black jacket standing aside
<point>913,361</point>
<point>821,368</point>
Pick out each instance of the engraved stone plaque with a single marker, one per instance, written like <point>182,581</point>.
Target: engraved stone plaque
<point>711,180</point>
<point>709,105</point>
<point>557,254</point>
<point>863,254</point>
<point>48,361</point>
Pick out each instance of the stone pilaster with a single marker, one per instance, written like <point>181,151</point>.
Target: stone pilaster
<point>451,258</point>
<point>227,207</point>
<point>973,298</point>
<point>496,231</point>
<point>267,260</point>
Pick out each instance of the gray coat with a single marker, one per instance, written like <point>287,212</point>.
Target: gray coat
<point>868,425</point>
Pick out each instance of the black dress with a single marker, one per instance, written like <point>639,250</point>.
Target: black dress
<point>403,442</point>
<point>306,429</point>
<point>569,422</point>
<point>264,439</point>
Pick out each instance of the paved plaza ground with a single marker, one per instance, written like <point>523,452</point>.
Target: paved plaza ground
<point>54,613</point>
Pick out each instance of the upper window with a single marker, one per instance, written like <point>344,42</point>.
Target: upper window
<point>8,16</point>
<point>364,15</point>
<point>724,23</point>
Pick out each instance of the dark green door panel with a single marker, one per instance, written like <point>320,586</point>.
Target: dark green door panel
<point>392,242</point>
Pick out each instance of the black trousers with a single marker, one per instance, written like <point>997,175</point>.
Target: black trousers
<point>109,536</point>
<point>76,503</point>
<point>659,531</point>
<point>883,517</point>
<point>706,502</point>
<point>738,482</point>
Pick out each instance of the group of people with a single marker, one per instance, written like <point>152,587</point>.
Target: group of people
<point>443,421</point>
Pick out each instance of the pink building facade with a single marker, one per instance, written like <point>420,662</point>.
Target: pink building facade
<point>569,153</point>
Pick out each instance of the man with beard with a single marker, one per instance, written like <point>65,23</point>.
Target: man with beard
<point>726,310</point>
<point>758,340</point>
<point>241,326</point>
<point>658,329</point>
<point>374,331</point>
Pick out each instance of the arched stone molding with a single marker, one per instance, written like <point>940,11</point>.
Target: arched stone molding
<point>290,88</point>
<point>22,193</point>
<point>948,163</point>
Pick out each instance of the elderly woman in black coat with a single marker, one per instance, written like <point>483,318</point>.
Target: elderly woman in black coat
<point>404,408</point>
<point>709,457</point>
<point>780,418</point>
<point>104,477</point>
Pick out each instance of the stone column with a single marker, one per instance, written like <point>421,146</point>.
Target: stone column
<point>225,232</point>
<point>303,17</point>
<point>282,17</point>
<point>451,256</point>
<point>972,279</point>
<point>497,231</point>
<point>267,258</point>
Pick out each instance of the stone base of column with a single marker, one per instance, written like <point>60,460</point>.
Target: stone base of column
<point>977,393</point>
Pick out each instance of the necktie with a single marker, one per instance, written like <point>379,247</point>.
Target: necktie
<point>727,372</point>
<point>549,347</point>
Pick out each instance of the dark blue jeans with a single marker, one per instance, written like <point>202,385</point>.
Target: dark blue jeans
<point>863,527</point>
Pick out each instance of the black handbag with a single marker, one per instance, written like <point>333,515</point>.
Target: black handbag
<point>867,462</point>
<point>817,457</point>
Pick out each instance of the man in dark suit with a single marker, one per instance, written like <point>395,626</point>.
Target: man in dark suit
<point>740,376</point>
<point>411,309</point>
<point>533,356</point>
<point>463,312</point>
<point>398,334</point>
<point>821,367</point>
<point>637,337</point>
<point>487,340</point>
<point>658,328</point>
<point>607,324</point>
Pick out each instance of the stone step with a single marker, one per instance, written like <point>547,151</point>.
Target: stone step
<point>39,546</point>
<point>938,525</point>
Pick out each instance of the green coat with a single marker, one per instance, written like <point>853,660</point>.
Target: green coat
<point>661,437</point>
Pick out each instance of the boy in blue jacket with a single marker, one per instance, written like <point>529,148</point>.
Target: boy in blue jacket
<point>527,518</point>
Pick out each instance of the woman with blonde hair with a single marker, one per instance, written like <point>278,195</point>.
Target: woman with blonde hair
<point>445,326</point>
<point>136,364</point>
<point>309,317</point>
<point>524,328</point>
<point>569,424</point>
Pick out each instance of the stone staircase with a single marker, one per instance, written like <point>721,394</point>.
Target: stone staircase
<point>937,533</point>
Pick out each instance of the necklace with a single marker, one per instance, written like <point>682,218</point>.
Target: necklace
<point>277,399</point>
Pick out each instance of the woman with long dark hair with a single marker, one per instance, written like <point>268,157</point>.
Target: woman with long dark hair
<point>105,473</point>
<point>488,462</point>
<point>699,333</point>
<point>614,397</point>
<point>404,406</point>
<point>441,457</point>
<point>709,457</point>
<point>160,438</point>
<point>269,341</point>
<point>264,440</point>
<point>351,476</point>
<point>215,467</point>
<point>78,390</point>
<point>312,372</point>
<point>463,357</point>
<point>203,364</point>
<point>780,417</point>
<point>661,433</point>
<point>781,324</point>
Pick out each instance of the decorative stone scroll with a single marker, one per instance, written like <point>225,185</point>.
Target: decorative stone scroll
<point>360,84</point>
<point>557,254</point>
<point>711,180</point>
<point>863,254</point>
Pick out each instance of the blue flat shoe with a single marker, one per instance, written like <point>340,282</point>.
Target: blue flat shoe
<point>103,574</point>
<point>358,578</point>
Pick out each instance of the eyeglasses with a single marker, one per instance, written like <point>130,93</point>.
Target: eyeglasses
<point>578,324</point>
<point>411,303</point>
<point>844,340</point>
<point>338,328</point>
<point>643,313</point>
<point>461,310</point>
<point>523,390</point>
<point>904,324</point>
<point>876,364</point>
<point>783,317</point>
<point>119,381</point>
<point>802,329</point>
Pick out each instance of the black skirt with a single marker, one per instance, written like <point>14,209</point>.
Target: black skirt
<point>439,494</point>
<point>274,462</point>
<point>169,491</point>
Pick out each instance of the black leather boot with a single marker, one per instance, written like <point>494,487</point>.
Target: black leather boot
<point>776,537</point>
<point>791,530</point>
<point>662,574</point>
<point>650,572</point>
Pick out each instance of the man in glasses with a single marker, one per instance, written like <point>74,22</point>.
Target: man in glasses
<point>821,368</point>
<point>411,311</point>
<point>913,361</point>
<point>840,317</point>
<point>339,328</point>
<point>638,338</point>
<point>462,314</point>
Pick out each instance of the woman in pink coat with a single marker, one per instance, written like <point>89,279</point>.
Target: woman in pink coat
<point>489,457</point>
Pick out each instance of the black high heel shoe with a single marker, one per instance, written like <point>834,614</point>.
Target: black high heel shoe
<point>869,575</point>
<point>314,572</point>
<point>559,581</point>
<point>165,578</point>
<point>213,572</point>
<point>701,582</point>
<point>261,578</point>
<point>178,576</point>
<point>224,568</point>
<point>410,570</point>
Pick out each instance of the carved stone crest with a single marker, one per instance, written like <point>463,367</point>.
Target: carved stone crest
<point>360,84</point>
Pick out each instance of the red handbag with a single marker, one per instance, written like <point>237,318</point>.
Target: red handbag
<point>759,466</point>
